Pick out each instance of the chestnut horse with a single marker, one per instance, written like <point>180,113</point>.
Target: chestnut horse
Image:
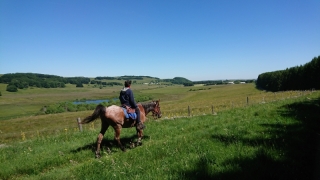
<point>115,117</point>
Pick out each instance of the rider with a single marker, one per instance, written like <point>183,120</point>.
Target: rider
<point>127,99</point>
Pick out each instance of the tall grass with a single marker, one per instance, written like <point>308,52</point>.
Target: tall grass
<point>274,140</point>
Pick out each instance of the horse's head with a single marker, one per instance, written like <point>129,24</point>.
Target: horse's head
<point>156,112</point>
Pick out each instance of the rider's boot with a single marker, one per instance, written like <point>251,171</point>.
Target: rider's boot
<point>139,125</point>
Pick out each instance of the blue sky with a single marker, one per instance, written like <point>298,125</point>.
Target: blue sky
<point>195,39</point>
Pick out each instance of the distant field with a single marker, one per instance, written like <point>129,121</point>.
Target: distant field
<point>27,102</point>
<point>17,110</point>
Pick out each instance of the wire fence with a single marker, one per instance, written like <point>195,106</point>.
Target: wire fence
<point>197,108</point>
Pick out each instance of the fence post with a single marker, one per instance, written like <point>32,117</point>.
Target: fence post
<point>79,124</point>
<point>212,108</point>
<point>247,100</point>
<point>189,111</point>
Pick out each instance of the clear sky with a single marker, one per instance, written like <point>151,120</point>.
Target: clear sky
<point>194,39</point>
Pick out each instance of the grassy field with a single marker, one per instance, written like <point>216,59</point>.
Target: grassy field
<point>20,107</point>
<point>27,102</point>
<point>272,137</point>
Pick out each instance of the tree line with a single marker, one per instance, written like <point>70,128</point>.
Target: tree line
<point>179,80</point>
<point>126,77</point>
<point>17,81</point>
<point>106,83</point>
<point>301,77</point>
<point>221,82</point>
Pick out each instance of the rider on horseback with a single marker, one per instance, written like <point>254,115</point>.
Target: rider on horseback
<point>127,100</point>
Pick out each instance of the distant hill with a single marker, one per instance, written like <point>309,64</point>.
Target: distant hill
<point>17,81</point>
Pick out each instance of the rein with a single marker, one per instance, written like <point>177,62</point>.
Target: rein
<point>151,106</point>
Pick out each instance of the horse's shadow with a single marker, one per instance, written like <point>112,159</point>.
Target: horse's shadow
<point>111,145</point>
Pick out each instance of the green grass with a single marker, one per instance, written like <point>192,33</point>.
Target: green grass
<point>274,140</point>
<point>272,137</point>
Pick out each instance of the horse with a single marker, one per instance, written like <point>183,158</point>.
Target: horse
<point>115,117</point>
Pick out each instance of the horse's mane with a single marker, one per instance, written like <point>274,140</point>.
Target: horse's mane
<point>148,106</point>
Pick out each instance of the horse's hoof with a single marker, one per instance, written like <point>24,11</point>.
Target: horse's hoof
<point>98,155</point>
<point>132,145</point>
<point>123,149</point>
<point>139,143</point>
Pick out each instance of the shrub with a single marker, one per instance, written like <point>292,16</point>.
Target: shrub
<point>50,110</point>
<point>81,108</point>
<point>72,109</point>
<point>12,88</point>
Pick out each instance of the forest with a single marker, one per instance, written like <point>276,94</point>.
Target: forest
<point>17,81</point>
<point>303,77</point>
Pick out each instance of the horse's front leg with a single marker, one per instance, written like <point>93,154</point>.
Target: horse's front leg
<point>117,130</point>
<point>140,135</point>
<point>104,128</point>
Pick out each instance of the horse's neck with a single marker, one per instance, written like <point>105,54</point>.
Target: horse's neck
<point>147,108</point>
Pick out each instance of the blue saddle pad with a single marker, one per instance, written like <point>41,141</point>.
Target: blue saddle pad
<point>129,115</point>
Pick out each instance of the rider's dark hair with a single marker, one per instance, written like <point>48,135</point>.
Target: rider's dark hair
<point>127,83</point>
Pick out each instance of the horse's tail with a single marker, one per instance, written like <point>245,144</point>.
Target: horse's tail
<point>97,112</point>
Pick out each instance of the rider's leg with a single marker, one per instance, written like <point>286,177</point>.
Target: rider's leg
<point>139,125</point>
<point>138,116</point>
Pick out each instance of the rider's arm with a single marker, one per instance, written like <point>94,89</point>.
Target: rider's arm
<point>131,99</point>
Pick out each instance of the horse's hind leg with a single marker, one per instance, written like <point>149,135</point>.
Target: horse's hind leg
<point>117,131</point>
<point>99,140</point>
<point>104,127</point>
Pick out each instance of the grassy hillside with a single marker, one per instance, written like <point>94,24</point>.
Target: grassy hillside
<point>17,110</point>
<point>271,140</point>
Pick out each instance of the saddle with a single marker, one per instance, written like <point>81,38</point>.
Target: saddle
<point>129,112</point>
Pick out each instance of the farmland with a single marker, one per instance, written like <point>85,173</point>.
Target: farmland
<point>253,135</point>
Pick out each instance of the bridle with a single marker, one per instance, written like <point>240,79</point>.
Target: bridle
<point>156,112</point>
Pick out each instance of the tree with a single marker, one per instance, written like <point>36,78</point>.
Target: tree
<point>12,88</point>
<point>294,78</point>
<point>79,84</point>
<point>188,84</point>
